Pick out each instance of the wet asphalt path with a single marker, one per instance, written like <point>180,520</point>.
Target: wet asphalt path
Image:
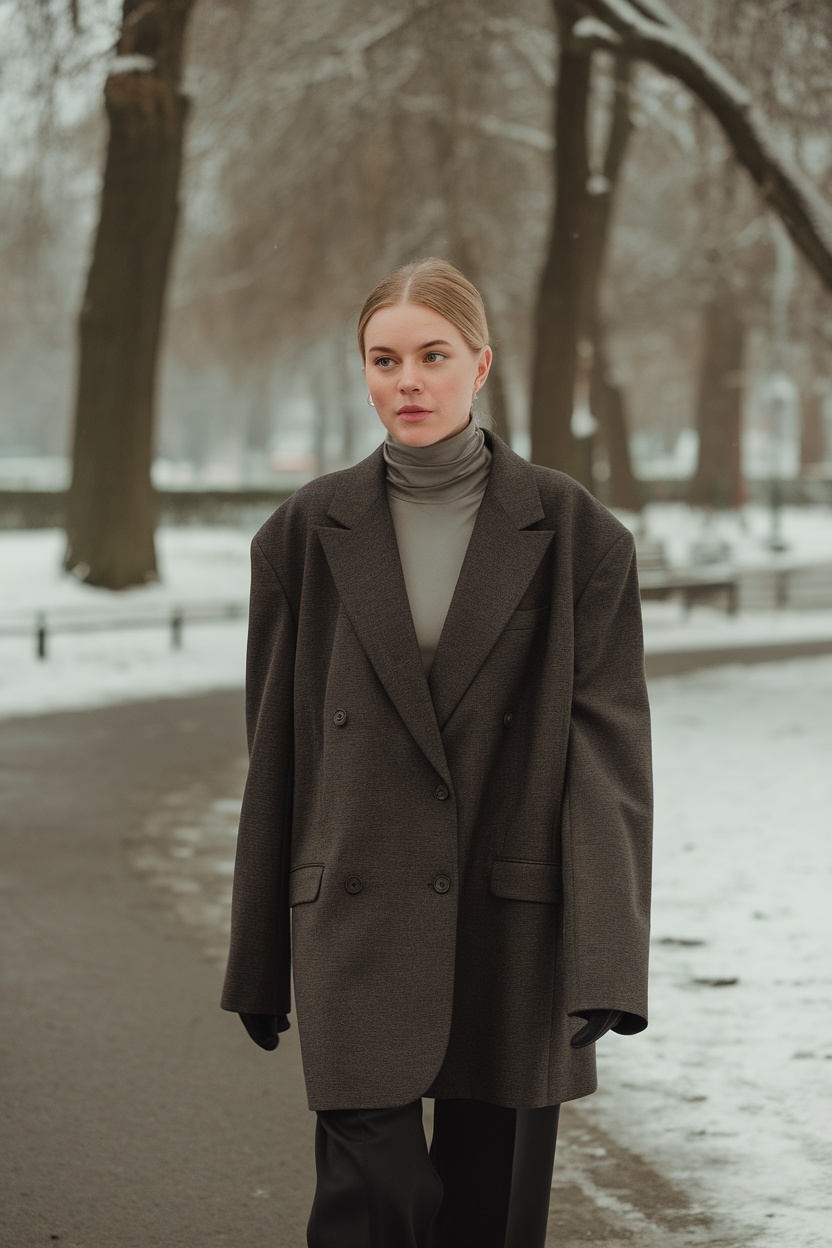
<point>135,1112</point>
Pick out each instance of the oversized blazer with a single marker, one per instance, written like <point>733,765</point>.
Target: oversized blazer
<point>465,858</point>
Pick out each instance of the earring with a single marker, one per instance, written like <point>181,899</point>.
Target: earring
<point>370,400</point>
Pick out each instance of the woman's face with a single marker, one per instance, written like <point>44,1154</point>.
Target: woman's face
<point>421,373</point>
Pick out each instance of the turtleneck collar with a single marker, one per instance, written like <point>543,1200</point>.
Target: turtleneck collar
<point>452,468</point>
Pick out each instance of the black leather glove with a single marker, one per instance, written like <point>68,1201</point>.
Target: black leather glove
<point>264,1028</point>
<point>598,1023</point>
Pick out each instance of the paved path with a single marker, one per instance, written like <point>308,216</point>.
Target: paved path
<point>135,1112</point>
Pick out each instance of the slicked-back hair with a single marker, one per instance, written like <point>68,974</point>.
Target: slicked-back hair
<point>435,284</point>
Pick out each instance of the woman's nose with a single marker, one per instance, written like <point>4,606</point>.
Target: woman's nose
<point>410,379</point>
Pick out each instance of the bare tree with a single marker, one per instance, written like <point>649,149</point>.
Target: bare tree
<point>360,138</point>
<point>110,513</point>
<point>649,30</point>
<point>646,30</point>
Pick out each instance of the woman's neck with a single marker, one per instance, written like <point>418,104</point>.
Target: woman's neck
<point>450,468</point>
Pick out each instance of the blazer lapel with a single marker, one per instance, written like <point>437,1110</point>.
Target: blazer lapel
<point>500,561</point>
<point>365,565</point>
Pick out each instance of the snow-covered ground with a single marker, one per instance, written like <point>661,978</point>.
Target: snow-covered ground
<point>666,629</point>
<point>806,532</point>
<point>197,565</point>
<point>729,1091</point>
<point>210,564</point>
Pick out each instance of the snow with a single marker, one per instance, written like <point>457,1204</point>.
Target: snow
<point>668,631</point>
<point>210,564</point>
<point>198,565</point>
<point>589,28</point>
<point>135,63</point>
<point>729,1091</point>
<point>807,532</point>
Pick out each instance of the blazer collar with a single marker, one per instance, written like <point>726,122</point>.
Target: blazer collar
<point>501,558</point>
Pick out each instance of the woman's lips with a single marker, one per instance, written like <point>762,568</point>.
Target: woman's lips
<point>419,414</point>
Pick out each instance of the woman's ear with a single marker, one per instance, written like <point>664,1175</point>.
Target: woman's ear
<point>483,366</point>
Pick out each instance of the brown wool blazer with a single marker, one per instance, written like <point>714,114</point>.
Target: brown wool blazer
<point>466,857</point>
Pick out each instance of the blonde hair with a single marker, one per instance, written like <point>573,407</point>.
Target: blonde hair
<point>435,284</point>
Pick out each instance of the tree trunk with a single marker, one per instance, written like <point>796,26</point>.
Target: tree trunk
<point>607,403</point>
<point>348,412</point>
<point>110,512</point>
<point>322,398</point>
<point>605,398</point>
<point>259,429</point>
<point>563,280</point>
<point>718,481</point>
<point>812,432</point>
<point>497,407</point>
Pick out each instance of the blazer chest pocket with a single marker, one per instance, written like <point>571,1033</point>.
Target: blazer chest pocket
<point>305,883</point>
<point>527,619</point>
<point>526,881</point>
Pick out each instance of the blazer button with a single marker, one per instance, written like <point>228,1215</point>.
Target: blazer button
<point>442,792</point>
<point>441,884</point>
<point>339,718</point>
<point>353,884</point>
<point>508,719</point>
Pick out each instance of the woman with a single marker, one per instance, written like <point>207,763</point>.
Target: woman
<point>450,788</point>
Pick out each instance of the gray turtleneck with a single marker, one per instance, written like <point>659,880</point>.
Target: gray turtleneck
<point>434,494</point>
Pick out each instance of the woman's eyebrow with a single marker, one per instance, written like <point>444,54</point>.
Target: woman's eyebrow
<point>437,342</point>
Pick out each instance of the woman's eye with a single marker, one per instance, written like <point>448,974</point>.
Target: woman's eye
<point>438,354</point>
<point>382,359</point>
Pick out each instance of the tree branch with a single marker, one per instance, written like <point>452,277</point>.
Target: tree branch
<point>670,47</point>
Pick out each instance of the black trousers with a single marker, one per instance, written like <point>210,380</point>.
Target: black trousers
<point>484,1182</point>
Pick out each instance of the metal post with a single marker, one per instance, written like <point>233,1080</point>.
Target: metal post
<point>176,629</point>
<point>40,636</point>
<point>776,540</point>
<point>782,583</point>
<point>733,598</point>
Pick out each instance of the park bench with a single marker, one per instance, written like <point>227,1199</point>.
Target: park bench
<point>659,580</point>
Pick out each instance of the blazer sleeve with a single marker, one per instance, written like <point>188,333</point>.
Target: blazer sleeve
<point>258,972</point>
<point>607,815</point>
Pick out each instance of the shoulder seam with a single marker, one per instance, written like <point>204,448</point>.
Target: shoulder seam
<point>622,538</point>
<point>277,577</point>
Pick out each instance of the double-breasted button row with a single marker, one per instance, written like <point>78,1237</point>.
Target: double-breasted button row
<point>340,717</point>
<point>354,884</point>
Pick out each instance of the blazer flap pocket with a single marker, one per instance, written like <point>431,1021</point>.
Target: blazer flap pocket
<point>527,619</point>
<point>305,883</point>
<point>526,881</point>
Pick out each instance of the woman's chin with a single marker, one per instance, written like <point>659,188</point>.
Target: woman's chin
<point>416,432</point>
<point>426,430</point>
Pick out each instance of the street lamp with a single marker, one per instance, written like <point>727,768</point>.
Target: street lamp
<point>781,395</point>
